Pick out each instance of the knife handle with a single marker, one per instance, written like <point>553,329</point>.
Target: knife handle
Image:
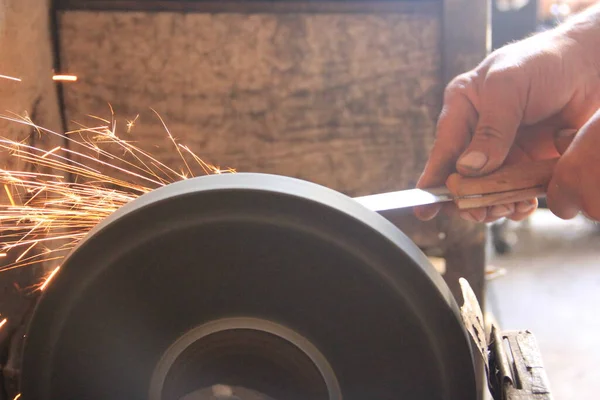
<point>512,183</point>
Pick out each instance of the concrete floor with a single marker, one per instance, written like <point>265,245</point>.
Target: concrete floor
<point>552,288</point>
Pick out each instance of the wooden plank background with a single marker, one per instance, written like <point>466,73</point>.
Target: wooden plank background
<point>345,100</point>
<point>25,53</point>
<point>344,95</point>
<point>247,6</point>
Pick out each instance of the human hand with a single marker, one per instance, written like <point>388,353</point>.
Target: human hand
<point>510,109</point>
<point>575,184</point>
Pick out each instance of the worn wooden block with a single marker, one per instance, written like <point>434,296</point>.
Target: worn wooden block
<point>345,100</point>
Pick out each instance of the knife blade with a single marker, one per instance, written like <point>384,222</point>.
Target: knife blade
<point>509,184</point>
<point>405,198</point>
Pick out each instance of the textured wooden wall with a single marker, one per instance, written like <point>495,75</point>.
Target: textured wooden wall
<point>25,53</point>
<point>345,100</point>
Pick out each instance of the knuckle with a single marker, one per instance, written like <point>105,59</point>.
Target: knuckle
<point>458,86</point>
<point>463,80</point>
<point>500,78</point>
<point>451,93</point>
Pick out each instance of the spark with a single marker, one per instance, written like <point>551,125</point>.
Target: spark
<point>17,397</point>
<point>51,151</point>
<point>48,214</point>
<point>10,78</point>
<point>49,278</point>
<point>174,142</point>
<point>131,123</point>
<point>65,78</point>
<point>10,198</point>
<point>23,254</point>
<point>3,322</point>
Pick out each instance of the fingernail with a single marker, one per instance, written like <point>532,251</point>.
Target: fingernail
<point>474,160</point>
<point>467,215</point>
<point>525,206</point>
<point>501,211</point>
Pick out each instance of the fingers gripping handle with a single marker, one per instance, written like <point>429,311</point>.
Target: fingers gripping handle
<point>508,184</point>
<point>500,198</point>
<point>509,178</point>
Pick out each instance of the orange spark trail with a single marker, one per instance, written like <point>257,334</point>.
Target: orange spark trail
<point>47,215</point>
<point>66,78</point>
<point>10,78</point>
<point>49,278</point>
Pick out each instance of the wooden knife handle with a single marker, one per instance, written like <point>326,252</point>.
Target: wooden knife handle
<point>508,184</point>
<point>499,198</point>
<point>511,183</point>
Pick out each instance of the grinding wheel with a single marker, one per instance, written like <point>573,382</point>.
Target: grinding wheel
<point>269,284</point>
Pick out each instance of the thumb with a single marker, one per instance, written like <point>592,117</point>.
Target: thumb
<point>500,113</point>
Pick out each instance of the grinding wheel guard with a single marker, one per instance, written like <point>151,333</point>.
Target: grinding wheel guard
<point>512,360</point>
<point>268,284</point>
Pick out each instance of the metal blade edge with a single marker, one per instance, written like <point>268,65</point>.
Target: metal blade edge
<point>405,198</point>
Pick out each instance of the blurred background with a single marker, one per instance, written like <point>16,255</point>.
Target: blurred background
<point>515,19</point>
<point>548,275</point>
